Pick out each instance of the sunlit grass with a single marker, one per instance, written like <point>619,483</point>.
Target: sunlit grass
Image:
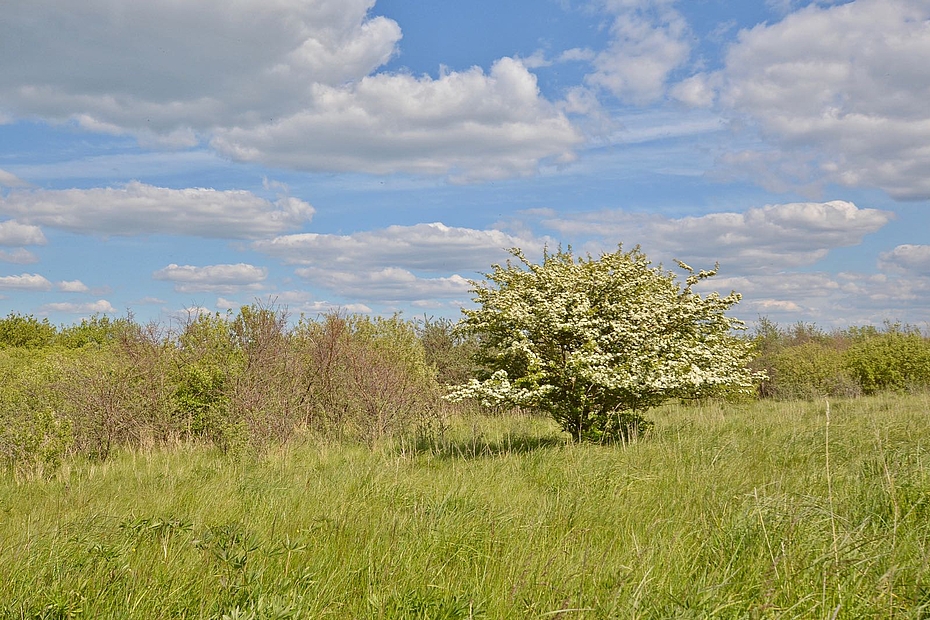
<point>726,510</point>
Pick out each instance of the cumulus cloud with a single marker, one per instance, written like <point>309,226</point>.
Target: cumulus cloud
<point>431,247</point>
<point>8,179</point>
<point>649,41</point>
<point>101,306</point>
<point>14,233</point>
<point>828,299</point>
<point>398,263</point>
<point>772,237</point>
<point>469,125</point>
<point>845,82</point>
<point>72,286</point>
<point>391,284</point>
<point>139,209</point>
<point>286,83</point>
<point>20,256</point>
<point>224,279</point>
<point>163,66</point>
<point>697,91</point>
<point>25,282</point>
<point>907,258</point>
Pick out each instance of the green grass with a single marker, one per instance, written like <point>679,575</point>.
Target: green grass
<point>726,511</point>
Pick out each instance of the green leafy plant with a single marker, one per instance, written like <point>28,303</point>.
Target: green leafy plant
<point>597,342</point>
<point>17,330</point>
<point>896,360</point>
<point>34,435</point>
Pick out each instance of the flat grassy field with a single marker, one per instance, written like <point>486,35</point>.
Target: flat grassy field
<point>758,510</point>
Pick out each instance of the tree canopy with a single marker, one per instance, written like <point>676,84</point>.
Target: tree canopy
<point>597,342</point>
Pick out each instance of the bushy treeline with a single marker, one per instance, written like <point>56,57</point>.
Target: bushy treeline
<point>237,380</point>
<point>803,361</point>
<point>252,378</point>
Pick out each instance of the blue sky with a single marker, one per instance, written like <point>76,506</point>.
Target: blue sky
<point>166,157</point>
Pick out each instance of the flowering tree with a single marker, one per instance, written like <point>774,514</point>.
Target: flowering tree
<point>596,342</point>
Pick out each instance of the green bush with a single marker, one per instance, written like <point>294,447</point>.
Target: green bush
<point>897,360</point>
<point>370,375</point>
<point>805,362</point>
<point>809,371</point>
<point>449,352</point>
<point>34,436</point>
<point>98,330</point>
<point>17,330</point>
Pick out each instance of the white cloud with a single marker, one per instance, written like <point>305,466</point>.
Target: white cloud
<point>72,286</point>
<point>768,238</point>
<point>773,305</point>
<point>907,258</point>
<point>151,300</point>
<point>830,300</point>
<point>284,82</point>
<point>8,179</point>
<point>698,91</point>
<point>224,304</point>
<point>577,54</point>
<point>139,209</point>
<point>398,263</point>
<point>14,233</point>
<point>101,306</point>
<point>391,284</point>
<point>163,66</point>
<point>846,82</point>
<point>20,256</point>
<point>25,282</point>
<point>425,247</point>
<point>469,125</point>
<point>651,125</point>
<point>213,278</point>
<point>650,40</point>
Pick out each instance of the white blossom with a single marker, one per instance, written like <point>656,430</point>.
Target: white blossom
<point>586,339</point>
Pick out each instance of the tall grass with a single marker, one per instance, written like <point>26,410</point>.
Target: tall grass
<point>756,510</point>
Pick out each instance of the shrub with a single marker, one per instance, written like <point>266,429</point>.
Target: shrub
<point>370,376</point>
<point>34,436</point>
<point>898,360</point>
<point>98,330</point>
<point>811,370</point>
<point>17,330</point>
<point>450,352</point>
<point>596,342</point>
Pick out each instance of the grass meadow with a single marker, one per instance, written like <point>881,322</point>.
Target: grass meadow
<point>756,510</point>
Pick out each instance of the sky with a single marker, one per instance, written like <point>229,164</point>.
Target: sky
<point>161,158</point>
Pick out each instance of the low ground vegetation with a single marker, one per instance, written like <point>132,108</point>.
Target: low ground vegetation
<point>762,509</point>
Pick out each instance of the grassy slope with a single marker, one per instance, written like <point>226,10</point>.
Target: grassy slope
<point>726,511</point>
